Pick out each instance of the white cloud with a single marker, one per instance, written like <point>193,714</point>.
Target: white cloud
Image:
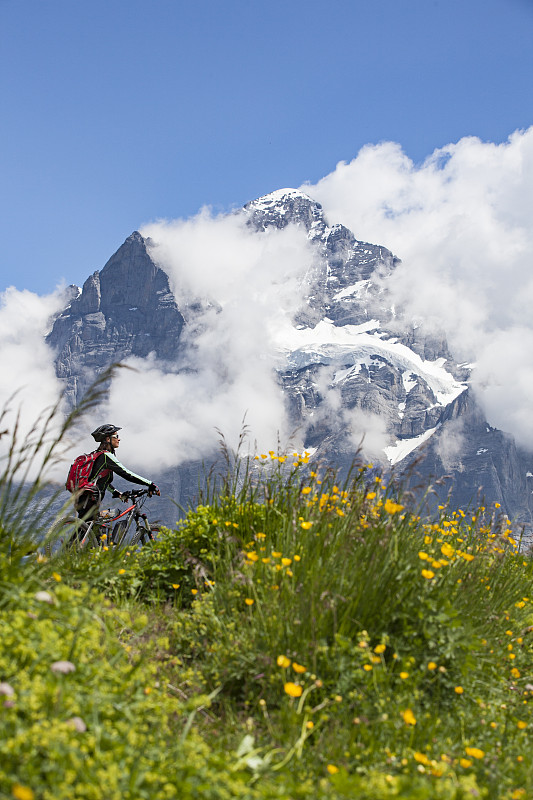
<point>253,281</point>
<point>29,384</point>
<point>461,223</point>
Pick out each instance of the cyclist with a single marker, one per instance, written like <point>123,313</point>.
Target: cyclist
<point>105,465</point>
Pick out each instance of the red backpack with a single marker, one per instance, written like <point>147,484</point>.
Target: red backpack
<point>80,470</point>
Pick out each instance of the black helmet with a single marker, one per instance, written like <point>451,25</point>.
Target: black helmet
<point>101,433</point>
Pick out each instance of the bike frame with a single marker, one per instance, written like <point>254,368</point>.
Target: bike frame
<point>116,528</point>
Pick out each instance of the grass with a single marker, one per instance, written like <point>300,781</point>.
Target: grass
<point>292,638</point>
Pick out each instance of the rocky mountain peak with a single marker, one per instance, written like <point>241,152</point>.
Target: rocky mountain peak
<point>284,207</point>
<point>125,309</point>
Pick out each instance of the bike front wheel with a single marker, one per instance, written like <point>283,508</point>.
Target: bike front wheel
<point>143,533</point>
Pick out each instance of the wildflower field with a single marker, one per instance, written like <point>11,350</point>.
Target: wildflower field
<point>291,638</point>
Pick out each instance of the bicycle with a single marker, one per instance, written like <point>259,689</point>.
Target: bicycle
<point>110,528</point>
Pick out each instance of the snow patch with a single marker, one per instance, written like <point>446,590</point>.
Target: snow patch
<point>397,452</point>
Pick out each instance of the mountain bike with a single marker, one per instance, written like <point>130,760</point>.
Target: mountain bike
<point>111,528</point>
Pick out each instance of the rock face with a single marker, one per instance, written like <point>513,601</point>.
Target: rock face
<point>347,365</point>
<point>127,309</point>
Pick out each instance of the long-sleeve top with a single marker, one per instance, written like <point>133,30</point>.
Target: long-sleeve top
<point>106,466</point>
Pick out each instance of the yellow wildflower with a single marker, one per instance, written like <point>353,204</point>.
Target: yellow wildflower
<point>332,769</point>
<point>175,586</point>
<point>276,554</point>
<point>521,725</point>
<point>428,574</point>
<point>475,752</point>
<point>432,665</point>
<point>421,758</point>
<point>249,601</point>
<point>283,661</point>
<point>458,690</point>
<point>380,648</point>
<point>306,525</point>
<point>465,762</point>
<point>298,667</point>
<point>391,507</point>
<point>293,689</point>
<point>404,675</point>
<point>306,490</point>
<point>57,578</point>
<point>286,562</point>
<point>22,792</point>
<point>408,717</point>
<point>121,571</point>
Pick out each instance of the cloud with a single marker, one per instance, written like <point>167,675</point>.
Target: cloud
<point>248,284</point>
<point>29,382</point>
<point>461,223</point>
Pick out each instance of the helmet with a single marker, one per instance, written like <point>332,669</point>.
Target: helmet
<point>101,433</point>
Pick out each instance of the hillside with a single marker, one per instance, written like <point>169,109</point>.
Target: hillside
<point>294,637</point>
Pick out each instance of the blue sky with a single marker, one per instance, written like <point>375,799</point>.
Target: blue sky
<point>119,112</point>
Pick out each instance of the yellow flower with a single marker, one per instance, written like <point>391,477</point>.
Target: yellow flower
<point>57,578</point>
<point>521,725</point>
<point>432,665</point>
<point>332,769</point>
<point>370,495</point>
<point>423,556</point>
<point>260,535</point>
<point>121,571</point>
<point>252,556</point>
<point>283,661</point>
<point>22,792</point>
<point>447,550</point>
<point>275,554</point>
<point>458,690</point>
<point>408,717</point>
<point>249,601</point>
<point>298,667</point>
<point>421,758</point>
<point>293,689</point>
<point>380,648</point>
<point>194,591</point>
<point>428,574</point>
<point>175,586</point>
<point>404,675</point>
<point>286,562</point>
<point>475,752</point>
<point>515,673</point>
<point>306,525</point>
<point>309,725</point>
<point>297,558</point>
<point>368,667</point>
<point>306,490</point>
<point>464,762</point>
<point>391,507</point>
<point>266,560</point>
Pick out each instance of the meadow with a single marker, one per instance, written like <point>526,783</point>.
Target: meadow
<point>292,637</point>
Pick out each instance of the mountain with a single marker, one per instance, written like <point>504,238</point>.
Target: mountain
<point>347,342</point>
